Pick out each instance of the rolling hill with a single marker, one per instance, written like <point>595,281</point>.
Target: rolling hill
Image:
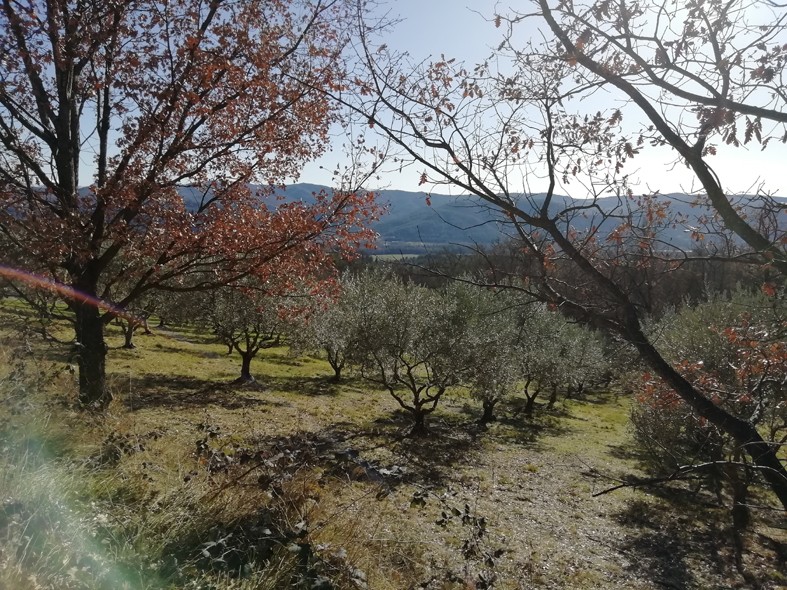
<point>415,224</point>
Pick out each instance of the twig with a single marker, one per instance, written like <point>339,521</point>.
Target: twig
<point>678,475</point>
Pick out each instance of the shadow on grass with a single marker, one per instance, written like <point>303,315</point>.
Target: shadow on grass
<point>177,392</point>
<point>511,426</point>
<point>294,470</point>
<point>380,454</point>
<point>313,386</point>
<point>427,459</point>
<point>57,353</point>
<point>597,398</point>
<point>672,544</point>
<point>37,349</point>
<point>629,452</point>
<point>173,348</point>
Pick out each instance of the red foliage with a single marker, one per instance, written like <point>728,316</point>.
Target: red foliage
<point>161,95</point>
<point>208,95</point>
<point>758,361</point>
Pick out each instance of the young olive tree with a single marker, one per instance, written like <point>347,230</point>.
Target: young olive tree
<point>512,132</point>
<point>329,326</point>
<point>136,316</point>
<point>131,322</point>
<point>408,340</point>
<point>584,358</point>
<point>537,348</point>
<point>489,351</point>
<point>246,320</point>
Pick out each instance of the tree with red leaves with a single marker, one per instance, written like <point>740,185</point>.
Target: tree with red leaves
<point>109,109</point>
<point>735,349</point>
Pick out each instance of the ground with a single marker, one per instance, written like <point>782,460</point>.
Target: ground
<point>188,481</point>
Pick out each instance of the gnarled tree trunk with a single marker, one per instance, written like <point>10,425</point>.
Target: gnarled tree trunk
<point>419,423</point>
<point>489,411</point>
<point>245,369</point>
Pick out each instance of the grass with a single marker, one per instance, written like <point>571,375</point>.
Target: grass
<point>189,482</point>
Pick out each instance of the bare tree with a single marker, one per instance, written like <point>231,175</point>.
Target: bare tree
<point>723,62</point>
<point>504,132</point>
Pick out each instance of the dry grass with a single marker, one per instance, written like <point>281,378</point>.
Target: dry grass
<point>188,482</point>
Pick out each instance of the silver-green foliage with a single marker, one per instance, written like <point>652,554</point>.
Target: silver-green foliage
<point>408,339</point>
<point>245,320</point>
<point>330,326</point>
<point>489,350</point>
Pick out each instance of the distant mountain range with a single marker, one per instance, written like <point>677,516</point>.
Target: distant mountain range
<point>416,224</point>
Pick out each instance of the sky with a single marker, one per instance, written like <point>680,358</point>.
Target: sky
<point>455,28</point>
<point>462,29</point>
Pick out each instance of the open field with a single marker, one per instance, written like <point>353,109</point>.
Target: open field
<point>189,482</point>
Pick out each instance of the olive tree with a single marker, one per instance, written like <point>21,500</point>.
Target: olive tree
<point>539,360</point>
<point>489,352</point>
<point>245,320</point>
<point>408,340</point>
<point>585,358</point>
<point>329,326</point>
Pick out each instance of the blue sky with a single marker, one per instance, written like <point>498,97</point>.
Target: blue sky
<point>455,28</point>
<point>460,29</point>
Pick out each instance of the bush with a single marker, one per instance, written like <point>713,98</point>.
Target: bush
<point>733,349</point>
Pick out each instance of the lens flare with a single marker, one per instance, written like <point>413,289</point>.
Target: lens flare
<point>64,291</point>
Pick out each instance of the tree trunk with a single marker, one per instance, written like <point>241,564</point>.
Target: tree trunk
<point>531,403</point>
<point>245,369</point>
<point>489,411</point>
<point>573,392</point>
<point>552,398</point>
<point>93,392</point>
<point>128,334</point>
<point>337,367</point>
<point>419,425</point>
